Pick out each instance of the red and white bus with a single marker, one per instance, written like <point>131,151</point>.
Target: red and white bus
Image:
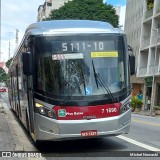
<point>70,79</point>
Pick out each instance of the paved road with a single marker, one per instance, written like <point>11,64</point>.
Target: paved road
<point>144,136</point>
<point>145,129</point>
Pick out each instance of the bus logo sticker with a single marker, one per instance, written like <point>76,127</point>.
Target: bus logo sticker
<point>61,112</point>
<point>88,90</point>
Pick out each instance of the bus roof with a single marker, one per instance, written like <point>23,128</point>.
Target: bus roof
<point>58,27</point>
<point>71,26</point>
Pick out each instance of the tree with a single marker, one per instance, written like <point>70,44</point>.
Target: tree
<point>3,75</point>
<point>86,9</point>
<point>8,62</point>
<point>150,4</point>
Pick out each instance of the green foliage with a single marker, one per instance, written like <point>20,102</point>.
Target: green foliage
<point>86,9</point>
<point>3,75</point>
<point>157,107</point>
<point>136,103</point>
<point>150,4</point>
<point>8,62</point>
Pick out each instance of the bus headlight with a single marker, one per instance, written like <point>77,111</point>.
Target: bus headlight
<point>125,108</point>
<point>42,110</point>
<point>50,114</point>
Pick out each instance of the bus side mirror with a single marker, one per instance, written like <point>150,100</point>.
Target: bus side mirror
<point>27,63</point>
<point>132,64</point>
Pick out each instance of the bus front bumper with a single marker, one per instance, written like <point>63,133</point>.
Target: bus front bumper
<point>47,129</point>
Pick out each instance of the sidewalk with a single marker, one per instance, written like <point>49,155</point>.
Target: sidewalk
<point>7,142</point>
<point>12,136</point>
<point>6,139</point>
<point>146,113</point>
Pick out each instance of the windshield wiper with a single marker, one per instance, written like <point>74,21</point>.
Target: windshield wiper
<point>75,87</point>
<point>101,82</point>
<point>95,75</point>
<point>70,94</point>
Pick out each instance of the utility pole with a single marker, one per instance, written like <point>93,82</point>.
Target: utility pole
<point>16,39</point>
<point>9,47</point>
<point>9,50</point>
<point>0,30</point>
<point>1,56</point>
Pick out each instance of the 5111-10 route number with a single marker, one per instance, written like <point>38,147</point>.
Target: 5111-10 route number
<point>109,110</point>
<point>82,46</point>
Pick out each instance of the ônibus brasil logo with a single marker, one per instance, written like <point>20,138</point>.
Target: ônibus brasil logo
<point>61,112</point>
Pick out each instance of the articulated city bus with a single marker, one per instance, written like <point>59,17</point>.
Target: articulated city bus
<point>70,79</point>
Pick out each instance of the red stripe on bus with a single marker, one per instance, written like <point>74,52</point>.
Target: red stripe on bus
<point>87,112</point>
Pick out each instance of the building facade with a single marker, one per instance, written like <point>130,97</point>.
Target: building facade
<point>118,10</point>
<point>142,29</point>
<point>49,5</point>
<point>44,10</point>
<point>132,28</point>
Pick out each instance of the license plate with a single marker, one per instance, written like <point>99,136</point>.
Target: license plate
<point>89,133</point>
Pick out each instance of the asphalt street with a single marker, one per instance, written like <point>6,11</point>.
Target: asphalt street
<point>144,136</point>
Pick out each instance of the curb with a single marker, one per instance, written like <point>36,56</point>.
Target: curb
<point>22,142</point>
<point>2,109</point>
<point>146,114</point>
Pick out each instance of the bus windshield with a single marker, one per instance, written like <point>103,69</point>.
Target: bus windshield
<point>64,64</point>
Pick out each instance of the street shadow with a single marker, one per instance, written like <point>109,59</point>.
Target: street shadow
<point>83,147</point>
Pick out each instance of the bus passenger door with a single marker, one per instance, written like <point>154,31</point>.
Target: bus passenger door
<point>18,92</point>
<point>11,91</point>
<point>26,103</point>
<point>26,59</point>
<point>30,103</point>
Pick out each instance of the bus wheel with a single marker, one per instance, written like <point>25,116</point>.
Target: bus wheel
<point>10,102</point>
<point>27,122</point>
<point>18,111</point>
<point>38,143</point>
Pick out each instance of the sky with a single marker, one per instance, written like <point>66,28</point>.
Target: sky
<point>122,4</point>
<point>18,14</point>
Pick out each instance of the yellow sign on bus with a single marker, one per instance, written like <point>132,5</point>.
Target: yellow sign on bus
<point>104,54</point>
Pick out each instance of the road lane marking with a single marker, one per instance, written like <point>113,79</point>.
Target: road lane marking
<point>139,144</point>
<point>154,124</point>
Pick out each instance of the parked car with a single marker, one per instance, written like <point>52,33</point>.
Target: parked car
<point>3,88</point>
